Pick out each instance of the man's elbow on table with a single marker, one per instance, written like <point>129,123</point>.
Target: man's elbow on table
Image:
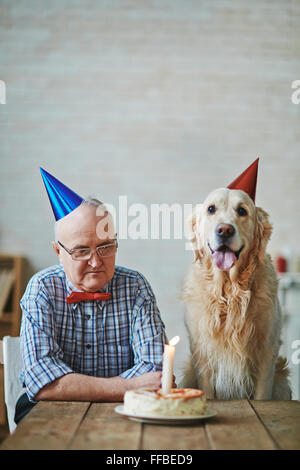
<point>86,388</point>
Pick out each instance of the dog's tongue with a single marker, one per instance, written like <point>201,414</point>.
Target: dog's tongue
<point>224,259</point>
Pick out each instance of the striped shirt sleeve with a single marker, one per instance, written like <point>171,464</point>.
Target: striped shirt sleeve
<point>148,339</point>
<point>41,355</point>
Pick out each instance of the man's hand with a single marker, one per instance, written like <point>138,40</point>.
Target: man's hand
<point>149,380</point>
<point>174,382</point>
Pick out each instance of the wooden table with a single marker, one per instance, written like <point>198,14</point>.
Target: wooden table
<point>239,424</point>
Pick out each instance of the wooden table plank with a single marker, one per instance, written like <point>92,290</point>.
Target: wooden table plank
<point>160,437</point>
<point>104,429</point>
<point>282,419</point>
<point>239,424</point>
<point>48,426</point>
<point>237,427</point>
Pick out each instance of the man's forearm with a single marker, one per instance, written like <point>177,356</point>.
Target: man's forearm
<point>79,387</point>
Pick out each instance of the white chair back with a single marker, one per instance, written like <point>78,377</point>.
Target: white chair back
<point>12,367</point>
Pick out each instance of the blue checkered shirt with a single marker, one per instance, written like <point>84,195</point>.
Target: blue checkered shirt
<point>123,336</point>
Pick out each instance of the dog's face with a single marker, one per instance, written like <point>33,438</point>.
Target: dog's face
<point>227,226</point>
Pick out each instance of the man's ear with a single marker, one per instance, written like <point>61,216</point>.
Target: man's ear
<point>263,231</point>
<point>192,230</point>
<point>56,248</point>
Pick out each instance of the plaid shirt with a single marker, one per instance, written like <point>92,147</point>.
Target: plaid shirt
<point>122,336</point>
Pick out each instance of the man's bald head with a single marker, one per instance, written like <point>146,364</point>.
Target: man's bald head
<point>88,226</point>
<point>105,224</point>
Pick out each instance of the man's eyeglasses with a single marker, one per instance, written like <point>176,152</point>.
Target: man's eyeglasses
<point>81,254</point>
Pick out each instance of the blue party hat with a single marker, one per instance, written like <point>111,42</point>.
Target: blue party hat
<point>62,199</point>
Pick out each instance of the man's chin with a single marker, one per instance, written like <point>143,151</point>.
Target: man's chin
<point>94,281</point>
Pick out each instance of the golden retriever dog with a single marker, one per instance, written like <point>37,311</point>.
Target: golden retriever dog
<point>233,315</point>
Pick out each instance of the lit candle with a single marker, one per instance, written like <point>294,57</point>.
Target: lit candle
<point>168,361</point>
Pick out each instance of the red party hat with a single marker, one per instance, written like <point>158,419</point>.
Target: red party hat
<point>247,180</point>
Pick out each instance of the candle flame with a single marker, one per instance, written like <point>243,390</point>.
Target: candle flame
<point>174,340</point>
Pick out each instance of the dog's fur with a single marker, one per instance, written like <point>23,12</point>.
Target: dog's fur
<point>233,316</point>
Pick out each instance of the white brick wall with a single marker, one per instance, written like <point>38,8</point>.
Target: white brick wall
<point>161,101</point>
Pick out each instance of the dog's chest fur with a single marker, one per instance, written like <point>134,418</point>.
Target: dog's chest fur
<point>227,333</point>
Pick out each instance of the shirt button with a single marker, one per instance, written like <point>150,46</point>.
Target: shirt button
<point>87,317</point>
<point>88,346</point>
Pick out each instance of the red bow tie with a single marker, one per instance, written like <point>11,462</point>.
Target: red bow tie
<point>79,296</point>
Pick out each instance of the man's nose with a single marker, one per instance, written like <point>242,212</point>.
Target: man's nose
<point>95,260</point>
<point>225,231</point>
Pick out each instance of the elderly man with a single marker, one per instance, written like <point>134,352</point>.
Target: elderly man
<point>90,330</point>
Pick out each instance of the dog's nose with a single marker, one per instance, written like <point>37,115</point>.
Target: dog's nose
<point>225,230</point>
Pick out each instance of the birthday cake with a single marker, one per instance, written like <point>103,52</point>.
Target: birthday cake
<point>179,402</point>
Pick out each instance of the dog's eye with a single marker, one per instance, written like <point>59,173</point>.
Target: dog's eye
<point>241,211</point>
<point>211,209</point>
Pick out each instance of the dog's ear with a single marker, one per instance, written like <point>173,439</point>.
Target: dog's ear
<point>191,224</point>
<point>263,231</point>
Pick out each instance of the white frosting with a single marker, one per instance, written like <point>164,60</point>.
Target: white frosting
<point>180,402</point>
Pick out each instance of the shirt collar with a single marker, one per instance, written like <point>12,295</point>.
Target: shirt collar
<point>71,288</point>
